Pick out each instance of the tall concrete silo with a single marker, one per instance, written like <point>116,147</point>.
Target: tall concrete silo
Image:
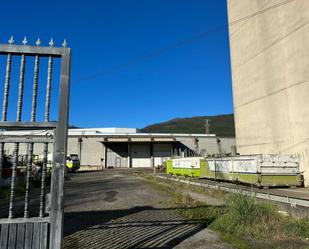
<point>269,43</point>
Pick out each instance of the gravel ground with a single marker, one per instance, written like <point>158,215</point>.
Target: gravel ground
<point>115,209</point>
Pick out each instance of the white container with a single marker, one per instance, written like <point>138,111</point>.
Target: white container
<point>187,163</point>
<point>259,164</point>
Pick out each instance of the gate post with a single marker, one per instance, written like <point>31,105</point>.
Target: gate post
<point>60,151</point>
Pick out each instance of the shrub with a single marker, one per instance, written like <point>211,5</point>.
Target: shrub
<point>247,218</point>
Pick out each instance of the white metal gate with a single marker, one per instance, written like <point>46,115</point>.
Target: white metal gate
<point>30,222</point>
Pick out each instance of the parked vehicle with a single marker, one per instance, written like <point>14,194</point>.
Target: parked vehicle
<point>72,165</point>
<point>258,170</point>
<point>72,162</point>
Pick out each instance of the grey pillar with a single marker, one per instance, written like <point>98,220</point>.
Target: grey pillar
<point>129,164</point>
<point>80,145</point>
<point>105,157</point>
<point>151,155</point>
<point>219,146</point>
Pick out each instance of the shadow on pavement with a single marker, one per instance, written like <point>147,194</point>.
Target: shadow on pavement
<point>138,227</point>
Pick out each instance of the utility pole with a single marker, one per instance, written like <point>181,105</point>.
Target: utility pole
<point>207,126</point>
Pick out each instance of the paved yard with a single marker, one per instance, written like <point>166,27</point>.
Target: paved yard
<point>115,209</point>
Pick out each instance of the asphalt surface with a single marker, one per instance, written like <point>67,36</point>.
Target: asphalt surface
<point>117,209</point>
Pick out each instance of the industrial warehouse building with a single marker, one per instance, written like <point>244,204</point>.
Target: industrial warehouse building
<point>127,148</point>
<point>100,148</point>
<point>270,71</point>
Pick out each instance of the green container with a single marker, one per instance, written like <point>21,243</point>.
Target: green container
<point>169,167</point>
<point>188,167</point>
<point>259,170</point>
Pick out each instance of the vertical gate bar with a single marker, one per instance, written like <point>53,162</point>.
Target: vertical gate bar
<point>35,87</point>
<point>45,150</point>
<point>60,149</point>
<point>16,145</point>
<point>21,87</point>
<point>31,145</point>
<point>43,184</point>
<point>1,161</point>
<point>5,106</point>
<point>48,88</point>
<point>28,179</point>
<point>13,181</point>
<point>6,87</point>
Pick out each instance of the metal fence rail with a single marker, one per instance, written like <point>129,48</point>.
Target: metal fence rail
<point>42,229</point>
<point>293,201</point>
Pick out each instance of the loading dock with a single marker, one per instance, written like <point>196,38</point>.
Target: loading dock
<point>137,154</point>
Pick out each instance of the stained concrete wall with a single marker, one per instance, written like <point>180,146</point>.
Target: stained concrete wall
<point>208,145</point>
<point>90,149</point>
<point>270,72</point>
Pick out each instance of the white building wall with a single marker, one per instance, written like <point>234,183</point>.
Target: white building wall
<point>37,150</point>
<point>226,144</point>
<point>73,145</point>
<point>208,146</point>
<point>92,151</point>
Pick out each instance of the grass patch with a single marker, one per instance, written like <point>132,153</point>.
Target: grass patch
<point>259,221</point>
<point>243,222</point>
<point>246,222</point>
<point>196,211</point>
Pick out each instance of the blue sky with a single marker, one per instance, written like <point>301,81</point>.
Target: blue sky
<point>130,66</point>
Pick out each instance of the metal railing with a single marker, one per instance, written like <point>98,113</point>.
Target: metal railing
<point>293,201</point>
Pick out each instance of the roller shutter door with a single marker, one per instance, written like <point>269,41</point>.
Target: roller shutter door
<point>140,154</point>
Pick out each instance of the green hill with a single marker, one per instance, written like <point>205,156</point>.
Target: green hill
<point>221,125</point>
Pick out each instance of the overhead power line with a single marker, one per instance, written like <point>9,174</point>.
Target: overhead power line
<point>153,53</point>
<point>260,12</point>
<point>180,43</point>
<point>247,21</point>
